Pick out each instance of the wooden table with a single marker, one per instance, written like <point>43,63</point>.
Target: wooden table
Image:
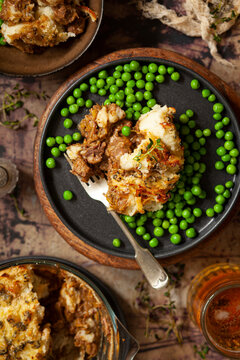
<point>122,27</point>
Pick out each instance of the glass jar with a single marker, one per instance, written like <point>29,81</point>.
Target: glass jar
<point>213,304</point>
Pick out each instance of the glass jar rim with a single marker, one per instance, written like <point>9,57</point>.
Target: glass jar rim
<point>223,351</point>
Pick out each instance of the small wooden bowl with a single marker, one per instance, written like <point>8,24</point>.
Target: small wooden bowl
<point>16,63</point>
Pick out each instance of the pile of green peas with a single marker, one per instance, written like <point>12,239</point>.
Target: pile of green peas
<point>131,87</point>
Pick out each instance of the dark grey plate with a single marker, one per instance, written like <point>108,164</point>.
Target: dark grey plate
<point>88,219</point>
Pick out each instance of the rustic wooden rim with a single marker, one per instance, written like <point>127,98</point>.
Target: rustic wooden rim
<point>74,241</point>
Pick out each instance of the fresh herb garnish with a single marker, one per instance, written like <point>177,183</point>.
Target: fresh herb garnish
<point>149,151</point>
<point>202,351</point>
<point>14,101</point>
<point>217,38</point>
<point>162,315</point>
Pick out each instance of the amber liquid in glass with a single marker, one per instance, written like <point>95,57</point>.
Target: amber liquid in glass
<point>223,319</point>
<point>214,306</point>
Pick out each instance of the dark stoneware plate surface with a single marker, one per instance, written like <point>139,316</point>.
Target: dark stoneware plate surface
<point>15,62</point>
<point>87,218</point>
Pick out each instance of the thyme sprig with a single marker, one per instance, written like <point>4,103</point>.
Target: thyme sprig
<point>164,314</point>
<point>149,151</point>
<point>20,210</point>
<point>14,101</point>
<point>202,350</point>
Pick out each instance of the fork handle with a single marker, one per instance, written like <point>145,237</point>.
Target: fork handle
<point>153,271</point>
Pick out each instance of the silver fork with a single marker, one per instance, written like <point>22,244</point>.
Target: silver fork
<point>153,271</point>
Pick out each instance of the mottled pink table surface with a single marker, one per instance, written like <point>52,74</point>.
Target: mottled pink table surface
<point>122,27</point>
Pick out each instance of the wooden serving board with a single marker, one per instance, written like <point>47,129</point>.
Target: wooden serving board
<point>72,239</point>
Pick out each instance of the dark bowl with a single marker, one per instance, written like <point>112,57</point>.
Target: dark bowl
<point>88,219</point>
<point>124,342</point>
<point>16,63</point>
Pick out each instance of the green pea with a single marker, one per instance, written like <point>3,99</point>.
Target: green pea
<point>206,132</point>
<point>110,80</point>
<point>50,163</point>
<point>183,224</point>
<point>169,214</point>
<point>202,141</point>
<point>103,74</point>
<point>140,84</point>
<point>206,93</point>
<point>217,116</point>
<point>220,134</point>
<point>50,141</point>
<point>210,212</point>
<point>120,95</point>
<point>151,103</point>
<point>234,152</point>
<point>175,76</point>
<point>136,115</point>
<point>93,80</point>
<point>192,124</point>
<point>73,108</point>
<point>195,84</point>
<point>219,165</point>
<point>88,103</point>
<point>126,76</point>
<point>233,161</point>
<point>113,89</point>
<point>228,135</point>
<point>159,214</point>
<point>77,136</point>
<point>140,230</point>
<point>84,87</point>
<point>186,213</point>
<point>62,147</point>
<point>127,68</point>
<point>173,221</point>
<point>150,77</point>
<point>184,130</point>
<point>157,222</point>
<point>102,92</point>
<point>218,107</point>
<point>55,152</point>
<point>218,126</point>
<point>229,184</point>
<point>162,70</point>
<point>67,195</point>
<point>219,189</point>
<point>139,96</point>
<point>173,229</point>
<point>70,100</point>
<point>212,98</point>
<point>134,65</point>
<point>191,233</point>
<point>198,133</point>
<point>221,151</point>
<point>229,145</point>
<point>165,224</point>
<point>132,225</point>
<point>158,231</point>
<point>64,112</point>
<point>146,237</point>
<point>149,86</point>
<point>220,199</point>
<point>59,140</point>
<point>160,78</point>
<point>80,102</point>
<point>153,242</point>
<point>218,208</point>
<point>67,139</point>
<point>116,242</point>
<point>227,194</point>
<point>175,239</point>
<point>119,68</point>
<point>126,130</point>
<point>117,74</point>
<point>138,75</point>
<point>100,83</point>
<point>226,121</point>
<point>144,69</point>
<point>67,123</point>
<point>231,169</point>
<point>183,118</point>
<point>226,158</point>
<point>170,70</point>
